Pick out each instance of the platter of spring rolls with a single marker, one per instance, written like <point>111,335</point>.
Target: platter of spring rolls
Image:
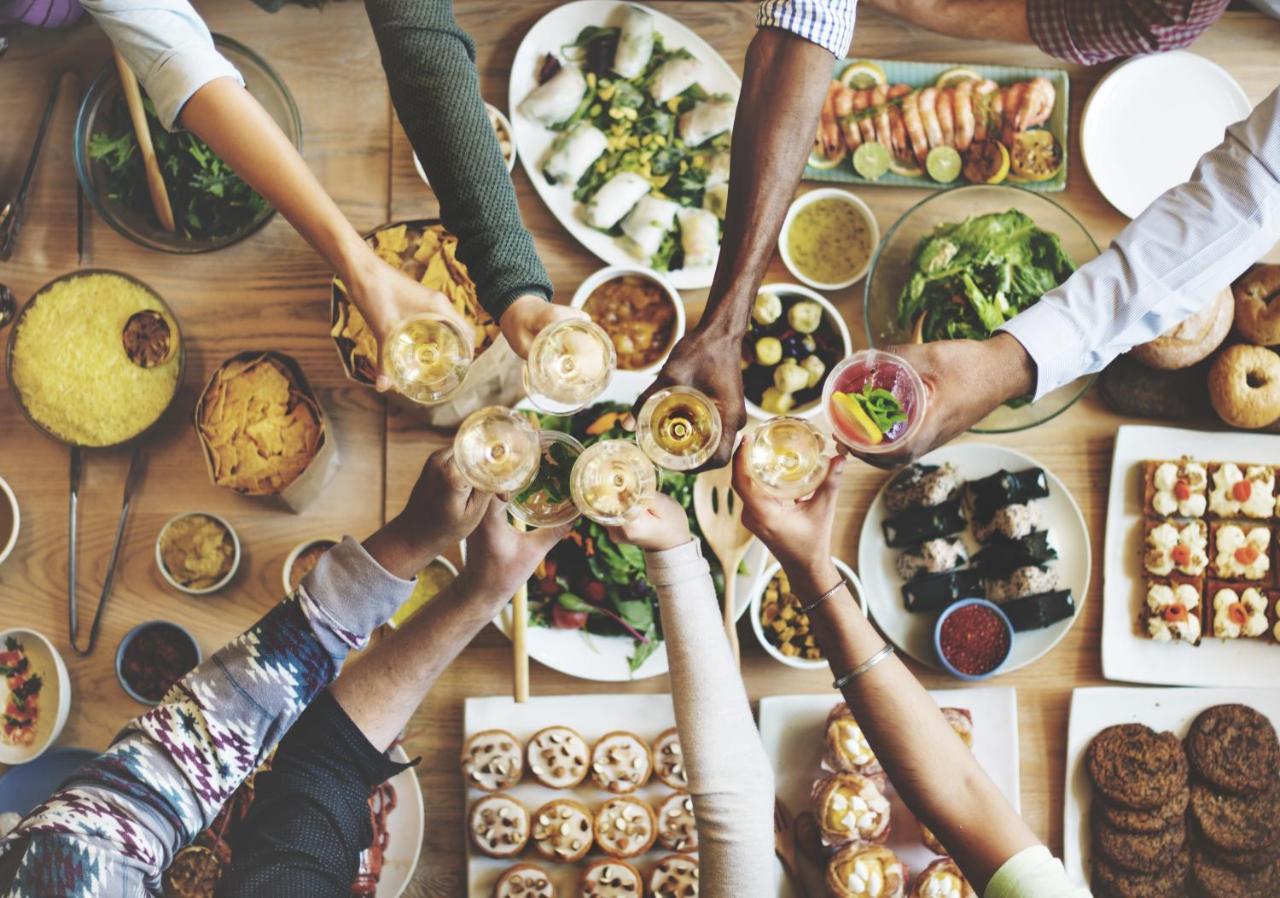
<point>623,118</point>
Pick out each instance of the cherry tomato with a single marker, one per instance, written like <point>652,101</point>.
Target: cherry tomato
<point>565,619</point>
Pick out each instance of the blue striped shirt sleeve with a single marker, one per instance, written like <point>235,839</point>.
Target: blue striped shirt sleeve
<point>827,23</point>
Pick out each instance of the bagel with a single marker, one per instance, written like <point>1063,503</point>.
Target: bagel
<point>1184,344</point>
<point>1244,386</point>
<point>1258,305</point>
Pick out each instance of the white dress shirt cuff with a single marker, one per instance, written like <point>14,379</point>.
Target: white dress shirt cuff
<point>1050,339</point>
<point>827,23</point>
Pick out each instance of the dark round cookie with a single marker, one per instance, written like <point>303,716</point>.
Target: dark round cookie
<point>1234,749</point>
<point>1243,860</point>
<point>1135,767</point>
<point>1218,880</point>
<point>1236,823</point>
<point>1153,821</point>
<point>1110,881</point>
<point>1139,852</point>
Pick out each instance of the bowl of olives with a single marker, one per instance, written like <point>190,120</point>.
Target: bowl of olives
<point>794,338</point>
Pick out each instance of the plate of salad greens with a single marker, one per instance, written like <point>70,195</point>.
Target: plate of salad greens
<point>212,206</point>
<point>623,119</point>
<point>592,612</point>
<point>961,263</point>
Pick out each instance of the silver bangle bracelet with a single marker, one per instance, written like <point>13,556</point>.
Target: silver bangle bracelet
<point>862,668</point>
<point>806,609</point>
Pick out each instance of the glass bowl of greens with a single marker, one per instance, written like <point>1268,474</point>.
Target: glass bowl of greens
<point>212,207</point>
<point>961,262</point>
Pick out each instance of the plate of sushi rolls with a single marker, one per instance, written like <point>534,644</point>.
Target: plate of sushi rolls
<point>975,521</point>
<point>622,118</point>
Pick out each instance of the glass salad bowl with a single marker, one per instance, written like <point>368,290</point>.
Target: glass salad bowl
<point>891,270</point>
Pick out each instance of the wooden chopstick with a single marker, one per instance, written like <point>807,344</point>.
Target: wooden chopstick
<point>155,181</point>
<point>519,642</point>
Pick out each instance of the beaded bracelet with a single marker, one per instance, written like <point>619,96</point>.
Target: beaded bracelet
<point>862,668</point>
<point>806,609</point>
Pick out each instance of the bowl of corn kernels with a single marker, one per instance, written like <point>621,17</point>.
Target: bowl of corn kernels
<point>782,628</point>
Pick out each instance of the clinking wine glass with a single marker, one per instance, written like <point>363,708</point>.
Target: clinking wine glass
<point>613,481</point>
<point>679,428</point>
<point>497,450</point>
<point>570,364</point>
<point>548,501</point>
<point>787,456</point>
<point>427,358</point>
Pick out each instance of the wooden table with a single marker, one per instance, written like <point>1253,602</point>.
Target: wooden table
<point>270,292</point>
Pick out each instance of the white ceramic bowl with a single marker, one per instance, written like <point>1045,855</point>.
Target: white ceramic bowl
<point>55,696</point>
<point>589,286</point>
<point>808,199</point>
<point>7,495</point>
<point>235,557</point>
<point>814,408</point>
<point>293,556</point>
<point>757,603</point>
<point>503,122</point>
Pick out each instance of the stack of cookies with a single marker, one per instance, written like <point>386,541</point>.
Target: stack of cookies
<point>1234,821</point>
<point>1139,817</point>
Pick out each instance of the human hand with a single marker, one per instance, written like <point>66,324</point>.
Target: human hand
<point>500,558</point>
<point>525,318</point>
<point>965,381</point>
<point>710,363</point>
<point>662,524</point>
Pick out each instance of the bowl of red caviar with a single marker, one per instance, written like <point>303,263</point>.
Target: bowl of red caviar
<point>152,657</point>
<point>973,639</point>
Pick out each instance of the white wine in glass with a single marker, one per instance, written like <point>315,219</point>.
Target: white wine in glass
<point>679,428</point>
<point>787,456</point>
<point>427,358</point>
<point>570,364</point>
<point>612,481</point>
<point>547,501</point>
<point>497,450</point>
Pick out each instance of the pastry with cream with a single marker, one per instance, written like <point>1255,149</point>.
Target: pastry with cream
<point>621,762</point>
<point>847,746</point>
<point>524,881</point>
<point>1176,489</point>
<point>492,761</point>
<point>942,879</point>
<point>1177,547</point>
<point>610,878</point>
<point>1240,552</point>
<point>668,760</point>
<point>1238,612</point>
<point>675,876</point>
<point>850,807</point>
<point>677,829</point>
<point>625,827</point>
<point>1242,491</point>
<point>862,870</point>
<point>561,830</point>
<point>1172,611</point>
<point>558,757</point>
<point>499,826</point>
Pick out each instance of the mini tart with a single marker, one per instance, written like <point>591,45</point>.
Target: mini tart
<point>1242,491</point>
<point>562,830</point>
<point>610,878</point>
<point>942,879</point>
<point>1172,547</point>
<point>1175,488</point>
<point>558,757</point>
<point>621,762</point>
<point>961,720</point>
<point>524,881</point>
<point>847,747</point>
<point>930,841</point>
<point>1172,609</point>
<point>675,876</point>
<point>866,871</point>
<point>850,807</point>
<point>677,829</point>
<point>1240,552</point>
<point>625,827</point>
<point>499,825</point>
<point>492,761</point>
<point>1239,611</point>
<point>668,760</point>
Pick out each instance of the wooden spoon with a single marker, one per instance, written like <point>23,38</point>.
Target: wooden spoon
<point>138,115</point>
<point>719,513</point>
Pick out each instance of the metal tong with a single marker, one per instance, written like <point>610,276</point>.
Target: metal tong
<point>12,213</point>
<point>130,486</point>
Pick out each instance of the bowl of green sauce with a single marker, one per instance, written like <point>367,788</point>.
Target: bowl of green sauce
<point>828,238</point>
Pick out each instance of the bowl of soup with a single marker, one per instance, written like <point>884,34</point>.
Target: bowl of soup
<point>639,309</point>
<point>828,238</point>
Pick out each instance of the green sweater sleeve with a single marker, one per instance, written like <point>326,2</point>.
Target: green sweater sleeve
<point>431,70</point>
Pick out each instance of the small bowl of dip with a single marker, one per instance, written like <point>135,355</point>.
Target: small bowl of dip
<point>429,583</point>
<point>302,561</point>
<point>35,695</point>
<point>152,657</point>
<point>639,309</point>
<point>828,238</point>
<point>198,553</point>
<point>973,639</point>
<point>10,519</point>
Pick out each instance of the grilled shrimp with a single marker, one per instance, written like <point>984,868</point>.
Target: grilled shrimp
<point>862,102</point>
<point>946,118</point>
<point>829,123</point>
<point>1012,98</point>
<point>964,119</point>
<point>847,126</point>
<point>897,128</point>
<point>985,95</point>
<point>928,101</point>
<point>915,127</point>
<point>884,134</point>
<point>1037,104</point>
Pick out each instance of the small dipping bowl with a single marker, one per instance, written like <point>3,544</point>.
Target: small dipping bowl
<point>8,498</point>
<point>286,574</point>
<point>980,611</point>
<point>178,638</point>
<point>852,373</point>
<point>222,581</point>
<point>54,700</point>
<point>757,606</point>
<point>613,272</point>
<point>803,202</point>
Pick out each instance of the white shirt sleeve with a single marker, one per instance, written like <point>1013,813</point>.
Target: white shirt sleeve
<point>1167,264</point>
<point>827,23</point>
<point>168,47</point>
<point>729,774</point>
<point>1033,873</point>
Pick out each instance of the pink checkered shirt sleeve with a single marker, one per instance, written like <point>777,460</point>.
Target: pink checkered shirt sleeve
<point>1094,31</point>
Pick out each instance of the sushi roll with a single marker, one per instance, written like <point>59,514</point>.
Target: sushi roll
<point>678,73</point>
<point>984,497</point>
<point>1011,522</point>
<point>935,556</point>
<point>614,199</point>
<point>1002,557</point>
<point>706,120</point>
<point>699,236</point>
<point>917,486</point>
<point>1038,611</point>
<point>635,43</point>
<point>556,99</point>
<point>917,525</point>
<point>1024,581</point>
<point>937,591</point>
<point>647,224</point>
<point>573,152</point>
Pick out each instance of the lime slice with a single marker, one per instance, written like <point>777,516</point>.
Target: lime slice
<point>943,164</point>
<point>952,77</point>
<point>905,168</point>
<point>871,160</point>
<point>863,74</point>
<point>819,161</point>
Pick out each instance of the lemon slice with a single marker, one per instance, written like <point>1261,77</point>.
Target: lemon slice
<point>904,168</point>
<point>952,77</point>
<point>871,160</point>
<point>943,164</point>
<point>863,74</point>
<point>852,412</point>
<point>1035,156</point>
<point>986,162</point>
<point>819,161</point>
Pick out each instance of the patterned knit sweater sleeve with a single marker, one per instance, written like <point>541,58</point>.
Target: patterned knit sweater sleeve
<point>114,826</point>
<point>431,70</point>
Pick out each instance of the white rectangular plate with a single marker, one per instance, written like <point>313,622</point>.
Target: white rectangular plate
<point>793,729</point>
<point>1093,710</point>
<point>1125,654</point>
<point>592,716</point>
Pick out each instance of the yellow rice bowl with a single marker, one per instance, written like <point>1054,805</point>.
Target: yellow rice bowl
<point>70,367</point>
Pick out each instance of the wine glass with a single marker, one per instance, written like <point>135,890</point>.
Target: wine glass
<point>787,456</point>
<point>679,428</point>
<point>570,364</point>
<point>612,481</point>
<point>427,358</point>
<point>497,450</point>
<point>548,500</point>
<point>875,401</point>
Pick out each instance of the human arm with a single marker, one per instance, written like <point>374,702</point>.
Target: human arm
<point>729,774</point>
<point>992,20</point>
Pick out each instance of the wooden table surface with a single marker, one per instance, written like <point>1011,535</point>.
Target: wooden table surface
<point>270,292</point>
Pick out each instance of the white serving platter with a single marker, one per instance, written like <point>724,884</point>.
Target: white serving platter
<point>561,26</point>
<point>1093,710</point>
<point>404,831</point>
<point>793,729</point>
<point>1125,654</point>
<point>913,632</point>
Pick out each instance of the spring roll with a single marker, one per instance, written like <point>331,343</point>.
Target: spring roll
<point>700,237</point>
<point>635,43</point>
<point>647,224</point>
<point>716,199</point>
<point>573,152</point>
<point>675,76</point>
<point>718,169</point>
<point>614,199</point>
<point>553,101</point>
<point>706,120</point>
